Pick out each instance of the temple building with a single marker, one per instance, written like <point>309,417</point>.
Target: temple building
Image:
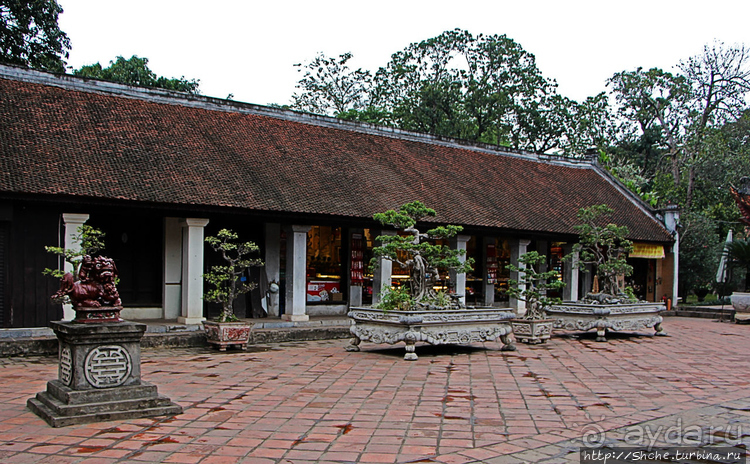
<point>158,171</point>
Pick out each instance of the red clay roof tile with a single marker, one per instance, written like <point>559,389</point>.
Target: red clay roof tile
<point>167,151</point>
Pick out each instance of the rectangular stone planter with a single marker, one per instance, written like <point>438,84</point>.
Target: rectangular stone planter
<point>460,327</point>
<point>532,331</point>
<point>603,317</point>
<point>225,334</point>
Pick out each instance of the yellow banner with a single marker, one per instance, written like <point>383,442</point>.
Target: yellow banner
<point>647,250</point>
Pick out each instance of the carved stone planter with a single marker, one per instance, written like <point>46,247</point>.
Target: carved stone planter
<point>459,327</point>
<point>741,305</point>
<point>603,317</point>
<point>532,331</point>
<point>224,334</point>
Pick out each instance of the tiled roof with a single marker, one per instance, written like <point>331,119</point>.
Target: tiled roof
<point>66,140</point>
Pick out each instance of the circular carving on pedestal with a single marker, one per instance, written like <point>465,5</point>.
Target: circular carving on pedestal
<point>107,366</point>
<point>66,366</point>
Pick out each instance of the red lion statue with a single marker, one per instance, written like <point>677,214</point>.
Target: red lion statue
<point>95,287</point>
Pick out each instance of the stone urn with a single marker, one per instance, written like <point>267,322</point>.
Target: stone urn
<point>225,334</point>
<point>741,305</point>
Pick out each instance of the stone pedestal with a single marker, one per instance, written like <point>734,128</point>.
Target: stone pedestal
<point>99,377</point>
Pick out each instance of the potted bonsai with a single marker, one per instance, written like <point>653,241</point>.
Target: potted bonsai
<point>226,285</point>
<point>90,289</point>
<point>604,246</point>
<point>533,326</point>
<point>738,255</point>
<point>416,311</point>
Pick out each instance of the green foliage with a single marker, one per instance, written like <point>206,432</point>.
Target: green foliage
<point>330,87</point>
<point>135,71</point>
<point>91,241</point>
<point>700,249</point>
<point>396,299</point>
<point>416,252</point>
<point>224,280</point>
<point>532,285</point>
<point>30,35</point>
<point>603,245</point>
<point>738,254</point>
<point>480,88</point>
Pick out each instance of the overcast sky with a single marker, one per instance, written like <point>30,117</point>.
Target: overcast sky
<point>248,47</point>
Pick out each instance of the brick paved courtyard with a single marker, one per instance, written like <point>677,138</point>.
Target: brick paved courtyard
<point>311,402</point>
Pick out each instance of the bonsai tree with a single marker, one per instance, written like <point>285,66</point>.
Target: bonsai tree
<point>225,279</point>
<point>91,242</point>
<point>532,286</point>
<point>605,246</point>
<point>422,258</point>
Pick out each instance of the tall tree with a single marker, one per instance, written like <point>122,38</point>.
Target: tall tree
<point>135,71</point>
<point>329,87</point>
<point>30,35</point>
<point>720,81</point>
<point>483,88</point>
<point>655,100</point>
<point>696,121</point>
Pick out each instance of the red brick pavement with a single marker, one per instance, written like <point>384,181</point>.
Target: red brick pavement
<point>311,402</point>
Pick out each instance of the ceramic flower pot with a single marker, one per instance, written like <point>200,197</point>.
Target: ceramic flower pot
<point>224,334</point>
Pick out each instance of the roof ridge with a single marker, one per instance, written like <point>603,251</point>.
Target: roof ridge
<point>171,97</point>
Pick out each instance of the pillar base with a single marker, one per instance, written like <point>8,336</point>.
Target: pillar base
<point>190,320</point>
<point>295,317</point>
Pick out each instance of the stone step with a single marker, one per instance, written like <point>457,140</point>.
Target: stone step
<point>42,342</point>
<point>707,312</point>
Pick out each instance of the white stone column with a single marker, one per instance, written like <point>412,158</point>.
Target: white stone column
<point>518,248</point>
<point>672,222</point>
<point>273,266</point>
<point>172,289</point>
<point>459,279</point>
<point>192,270</point>
<point>570,275</point>
<point>296,274</point>
<point>355,291</point>
<point>381,278</point>
<point>71,222</point>
<point>489,287</point>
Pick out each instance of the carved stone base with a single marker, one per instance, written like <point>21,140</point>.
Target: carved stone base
<point>91,315</point>
<point>61,406</point>
<point>617,317</point>
<point>225,334</point>
<point>532,331</point>
<point>460,327</point>
<point>99,377</point>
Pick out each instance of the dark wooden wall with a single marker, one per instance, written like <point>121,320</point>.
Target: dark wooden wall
<point>28,291</point>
